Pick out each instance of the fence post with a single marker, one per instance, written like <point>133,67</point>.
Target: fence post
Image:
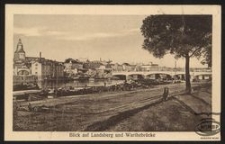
<point>165,93</point>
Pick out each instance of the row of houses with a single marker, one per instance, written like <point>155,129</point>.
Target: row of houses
<point>75,66</point>
<point>46,69</point>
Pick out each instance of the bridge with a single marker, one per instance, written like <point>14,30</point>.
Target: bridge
<point>146,74</point>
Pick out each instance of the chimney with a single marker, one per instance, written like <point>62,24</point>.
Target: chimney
<point>40,54</point>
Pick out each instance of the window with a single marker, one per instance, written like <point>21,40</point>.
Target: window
<point>36,73</point>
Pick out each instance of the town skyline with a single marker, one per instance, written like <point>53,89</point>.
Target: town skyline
<point>87,37</point>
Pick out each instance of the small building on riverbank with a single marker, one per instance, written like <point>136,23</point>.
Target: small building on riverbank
<point>47,70</point>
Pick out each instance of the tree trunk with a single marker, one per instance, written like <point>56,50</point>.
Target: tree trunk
<point>187,74</point>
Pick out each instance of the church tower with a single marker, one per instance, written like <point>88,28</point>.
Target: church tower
<point>19,55</point>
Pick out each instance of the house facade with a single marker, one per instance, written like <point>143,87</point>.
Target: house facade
<point>47,70</point>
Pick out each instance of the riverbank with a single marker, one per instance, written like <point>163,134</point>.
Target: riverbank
<point>115,86</point>
<point>93,112</point>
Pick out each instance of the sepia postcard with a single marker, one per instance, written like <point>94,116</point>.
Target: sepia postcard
<point>112,72</point>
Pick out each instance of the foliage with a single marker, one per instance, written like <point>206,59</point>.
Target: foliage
<point>68,60</point>
<point>181,35</point>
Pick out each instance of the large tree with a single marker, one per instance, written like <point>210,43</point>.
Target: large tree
<point>184,36</point>
<point>207,54</point>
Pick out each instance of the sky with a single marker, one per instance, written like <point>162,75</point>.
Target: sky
<point>94,37</point>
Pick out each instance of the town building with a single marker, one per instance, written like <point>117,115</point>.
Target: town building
<point>47,70</point>
<point>73,66</point>
<point>37,68</point>
<point>150,67</point>
<point>128,67</point>
<point>20,66</point>
<point>116,67</point>
<point>19,54</point>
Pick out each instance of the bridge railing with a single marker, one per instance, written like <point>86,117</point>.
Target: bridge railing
<point>172,74</point>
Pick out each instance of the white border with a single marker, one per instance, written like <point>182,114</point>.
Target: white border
<point>11,9</point>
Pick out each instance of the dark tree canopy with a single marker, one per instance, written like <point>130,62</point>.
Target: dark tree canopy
<point>207,54</point>
<point>68,60</point>
<point>71,60</point>
<point>181,35</point>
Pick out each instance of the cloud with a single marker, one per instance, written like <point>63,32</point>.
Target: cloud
<point>134,30</point>
<point>37,31</point>
<point>71,35</point>
<point>27,31</point>
<point>89,36</point>
<point>92,36</point>
<point>53,33</point>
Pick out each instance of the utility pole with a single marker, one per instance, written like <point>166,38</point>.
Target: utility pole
<point>175,66</point>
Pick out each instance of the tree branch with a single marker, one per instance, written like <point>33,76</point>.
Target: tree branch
<point>195,51</point>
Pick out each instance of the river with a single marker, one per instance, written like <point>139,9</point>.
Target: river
<point>58,84</point>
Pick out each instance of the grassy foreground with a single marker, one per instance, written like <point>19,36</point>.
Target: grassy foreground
<point>125,111</point>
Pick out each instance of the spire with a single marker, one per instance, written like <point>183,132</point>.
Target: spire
<point>20,41</point>
<point>19,48</point>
